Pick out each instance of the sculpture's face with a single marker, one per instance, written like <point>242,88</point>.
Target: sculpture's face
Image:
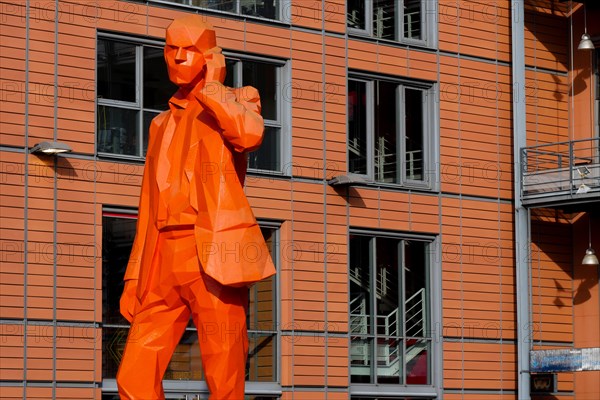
<point>185,61</point>
<point>191,53</point>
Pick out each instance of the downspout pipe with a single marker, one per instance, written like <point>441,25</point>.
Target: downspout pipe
<point>522,240</point>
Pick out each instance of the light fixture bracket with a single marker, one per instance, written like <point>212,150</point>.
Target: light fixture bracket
<point>348,179</point>
<point>50,148</point>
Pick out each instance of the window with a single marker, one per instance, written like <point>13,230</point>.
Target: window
<point>133,87</point>
<point>266,77</point>
<point>384,398</point>
<point>390,311</point>
<point>118,231</point>
<point>390,131</point>
<point>398,20</point>
<point>256,8</point>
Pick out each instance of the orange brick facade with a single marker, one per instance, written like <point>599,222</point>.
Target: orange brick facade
<point>51,208</point>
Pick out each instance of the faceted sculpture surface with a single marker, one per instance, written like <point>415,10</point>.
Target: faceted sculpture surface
<point>198,245</point>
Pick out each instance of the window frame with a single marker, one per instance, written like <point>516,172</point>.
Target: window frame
<point>178,388</point>
<point>284,112</point>
<point>430,131</point>
<point>434,283</point>
<point>284,11</point>
<point>138,105</point>
<point>428,24</point>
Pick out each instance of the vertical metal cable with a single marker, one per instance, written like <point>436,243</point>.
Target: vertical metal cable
<point>26,202</point>
<point>55,211</point>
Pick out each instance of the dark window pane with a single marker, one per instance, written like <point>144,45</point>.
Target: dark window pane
<point>415,286</point>
<point>113,345</point>
<point>263,77</point>
<point>412,19</point>
<point>268,156</point>
<point>148,117</point>
<point>418,362</point>
<point>117,239</point>
<point>261,365</point>
<point>221,5</point>
<point>186,363</point>
<point>389,360</point>
<point>260,8</point>
<point>357,127</point>
<point>360,285</point>
<point>158,89</point>
<point>260,397</point>
<point>361,360</point>
<point>261,308</point>
<point>384,19</point>
<point>413,102</point>
<point>116,70</point>
<point>117,131</point>
<point>386,288</point>
<point>356,14</point>
<point>386,132</point>
<point>230,78</point>
<point>389,354</point>
<point>361,348</point>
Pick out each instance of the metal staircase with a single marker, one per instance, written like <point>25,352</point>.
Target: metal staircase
<point>389,348</point>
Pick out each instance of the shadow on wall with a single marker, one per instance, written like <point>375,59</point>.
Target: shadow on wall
<point>556,243</point>
<point>586,276</point>
<point>43,167</point>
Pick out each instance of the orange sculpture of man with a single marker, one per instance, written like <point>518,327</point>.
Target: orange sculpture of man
<point>197,245</point>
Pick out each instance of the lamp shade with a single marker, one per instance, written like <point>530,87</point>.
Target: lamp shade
<point>590,257</point>
<point>586,43</point>
<point>50,148</point>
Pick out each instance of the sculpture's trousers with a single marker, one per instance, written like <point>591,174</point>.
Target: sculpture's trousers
<point>177,289</point>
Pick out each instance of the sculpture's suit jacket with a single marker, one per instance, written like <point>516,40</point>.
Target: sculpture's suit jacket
<point>193,179</point>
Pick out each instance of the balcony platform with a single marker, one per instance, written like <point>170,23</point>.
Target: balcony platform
<point>561,175</point>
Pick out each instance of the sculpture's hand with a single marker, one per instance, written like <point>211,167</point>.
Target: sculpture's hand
<point>215,66</point>
<point>237,112</point>
<point>214,96</point>
<point>129,299</point>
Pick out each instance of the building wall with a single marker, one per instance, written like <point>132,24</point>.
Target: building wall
<point>559,109</point>
<point>586,297</point>
<point>51,209</point>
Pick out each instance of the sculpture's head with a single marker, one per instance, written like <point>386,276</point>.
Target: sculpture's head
<point>191,52</point>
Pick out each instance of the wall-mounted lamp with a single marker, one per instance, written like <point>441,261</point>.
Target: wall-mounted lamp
<point>586,41</point>
<point>590,257</point>
<point>348,180</point>
<point>50,148</point>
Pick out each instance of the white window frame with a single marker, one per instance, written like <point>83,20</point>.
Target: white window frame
<point>428,24</point>
<point>430,132</point>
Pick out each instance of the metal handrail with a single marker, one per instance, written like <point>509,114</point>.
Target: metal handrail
<point>569,167</point>
<point>419,324</point>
